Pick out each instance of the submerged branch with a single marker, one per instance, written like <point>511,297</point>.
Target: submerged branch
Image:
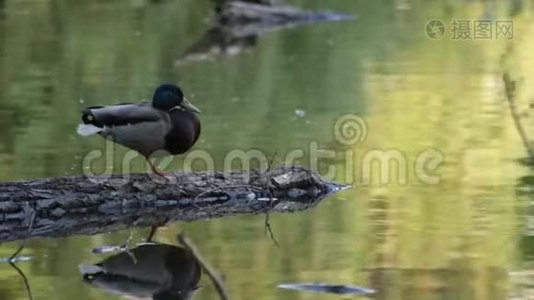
<point>510,91</point>
<point>90,205</point>
<point>25,280</point>
<point>214,276</point>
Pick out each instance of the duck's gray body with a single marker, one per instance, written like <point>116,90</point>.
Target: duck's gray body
<point>141,127</point>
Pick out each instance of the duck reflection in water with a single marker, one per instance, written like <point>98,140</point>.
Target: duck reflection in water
<point>148,271</point>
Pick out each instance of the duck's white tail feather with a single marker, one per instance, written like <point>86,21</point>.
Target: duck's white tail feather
<point>88,129</point>
<point>90,269</point>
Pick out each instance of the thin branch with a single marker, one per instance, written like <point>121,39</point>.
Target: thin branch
<point>24,279</point>
<point>267,225</point>
<point>216,279</point>
<point>11,259</point>
<point>153,230</point>
<point>269,230</point>
<point>510,90</point>
<point>23,244</point>
<point>270,162</point>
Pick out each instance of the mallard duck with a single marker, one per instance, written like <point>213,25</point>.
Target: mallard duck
<point>166,126</point>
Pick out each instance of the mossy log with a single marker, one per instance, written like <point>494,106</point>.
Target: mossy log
<point>89,205</point>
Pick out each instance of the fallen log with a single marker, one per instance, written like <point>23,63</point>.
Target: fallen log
<point>239,24</point>
<point>89,205</point>
<point>242,12</point>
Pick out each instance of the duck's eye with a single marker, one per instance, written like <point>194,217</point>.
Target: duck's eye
<point>90,117</point>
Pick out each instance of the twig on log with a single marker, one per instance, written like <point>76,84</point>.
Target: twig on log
<point>216,279</point>
<point>510,91</point>
<point>271,162</point>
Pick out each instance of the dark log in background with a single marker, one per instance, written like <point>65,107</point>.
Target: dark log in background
<point>89,205</point>
<point>238,25</point>
<point>236,13</point>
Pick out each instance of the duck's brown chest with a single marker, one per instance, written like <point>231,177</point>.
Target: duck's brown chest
<point>183,133</point>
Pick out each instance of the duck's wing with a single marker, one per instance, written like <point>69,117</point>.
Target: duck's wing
<point>136,126</point>
<point>97,118</point>
<point>120,115</point>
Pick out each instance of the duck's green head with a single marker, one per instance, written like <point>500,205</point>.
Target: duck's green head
<point>168,97</point>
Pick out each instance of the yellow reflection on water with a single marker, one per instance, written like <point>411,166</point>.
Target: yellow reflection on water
<point>456,239</point>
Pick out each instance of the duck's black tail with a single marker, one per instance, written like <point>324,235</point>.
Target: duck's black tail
<point>88,117</point>
<point>90,125</point>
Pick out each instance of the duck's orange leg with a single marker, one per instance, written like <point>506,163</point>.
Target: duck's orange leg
<point>155,170</point>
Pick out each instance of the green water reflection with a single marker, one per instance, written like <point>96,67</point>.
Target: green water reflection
<point>464,238</point>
